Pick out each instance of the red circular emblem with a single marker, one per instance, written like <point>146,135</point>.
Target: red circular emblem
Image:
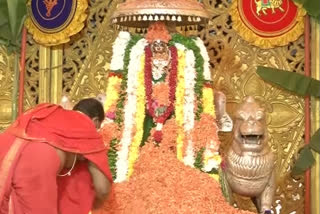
<point>268,18</point>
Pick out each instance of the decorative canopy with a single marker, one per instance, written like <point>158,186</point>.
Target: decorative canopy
<point>139,13</point>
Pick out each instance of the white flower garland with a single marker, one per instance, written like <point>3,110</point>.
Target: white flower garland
<point>129,110</point>
<point>212,163</point>
<point>190,76</point>
<point>189,102</point>
<point>118,48</point>
<point>206,59</point>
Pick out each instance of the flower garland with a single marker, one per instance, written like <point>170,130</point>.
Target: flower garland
<point>123,93</point>
<point>189,101</point>
<point>110,135</point>
<point>208,96</point>
<point>210,158</point>
<point>118,51</point>
<point>206,59</point>
<point>148,87</point>
<point>112,157</point>
<point>189,79</point>
<point>208,101</point>
<point>129,109</point>
<point>179,111</point>
<point>139,118</point>
<point>113,88</point>
<point>190,44</point>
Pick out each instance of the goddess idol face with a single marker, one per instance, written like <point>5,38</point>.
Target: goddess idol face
<point>159,46</point>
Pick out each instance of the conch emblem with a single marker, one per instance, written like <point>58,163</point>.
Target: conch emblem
<point>49,6</point>
<point>263,5</point>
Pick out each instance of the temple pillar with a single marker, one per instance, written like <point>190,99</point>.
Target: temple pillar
<point>50,74</point>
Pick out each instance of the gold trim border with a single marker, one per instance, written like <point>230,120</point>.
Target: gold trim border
<point>247,34</point>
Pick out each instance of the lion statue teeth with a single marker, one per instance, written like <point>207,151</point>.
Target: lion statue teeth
<point>249,161</point>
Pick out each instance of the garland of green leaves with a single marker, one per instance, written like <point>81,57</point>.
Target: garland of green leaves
<point>120,105</point>
<point>190,44</point>
<point>112,157</point>
<point>198,163</point>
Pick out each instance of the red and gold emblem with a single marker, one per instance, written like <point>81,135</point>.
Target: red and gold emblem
<point>267,23</point>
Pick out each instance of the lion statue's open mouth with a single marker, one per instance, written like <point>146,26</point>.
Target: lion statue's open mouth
<point>252,138</point>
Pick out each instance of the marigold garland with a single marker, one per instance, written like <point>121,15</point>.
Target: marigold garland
<point>179,112</point>
<point>139,118</point>
<point>112,92</point>
<point>208,101</point>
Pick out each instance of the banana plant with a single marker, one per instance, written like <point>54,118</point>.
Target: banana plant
<point>303,86</point>
<point>12,16</point>
<point>311,6</point>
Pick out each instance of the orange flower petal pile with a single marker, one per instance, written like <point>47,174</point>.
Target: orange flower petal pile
<point>161,94</point>
<point>161,184</point>
<point>108,132</point>
<point>204,131</point>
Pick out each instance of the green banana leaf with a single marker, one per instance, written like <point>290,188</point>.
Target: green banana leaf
<point>311,6</point>
<point>315,141</point>
<point>12,16</point>
<point>291,81</point>
<point>300,85</point>
<point>304,161</point>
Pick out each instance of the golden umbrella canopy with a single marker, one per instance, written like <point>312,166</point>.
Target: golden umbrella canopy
<point>139,13</point>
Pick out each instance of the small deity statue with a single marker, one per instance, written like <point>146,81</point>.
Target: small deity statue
<point>224,121</point>
<point>249,164</point>
<point>161,59</point>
